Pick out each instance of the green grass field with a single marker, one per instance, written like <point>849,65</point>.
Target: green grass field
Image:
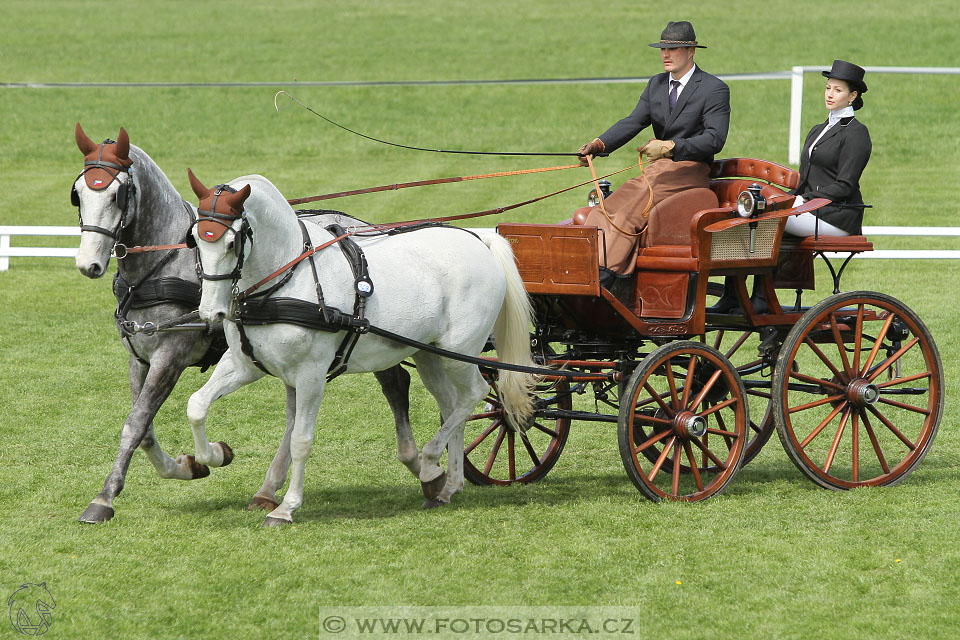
<point>773,557</point>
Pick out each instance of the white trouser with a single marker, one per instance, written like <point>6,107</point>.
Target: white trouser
<point>806,224</point>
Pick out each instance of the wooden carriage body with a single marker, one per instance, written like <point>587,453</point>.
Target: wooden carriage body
<point>853,385</point>
<point>677,256</point>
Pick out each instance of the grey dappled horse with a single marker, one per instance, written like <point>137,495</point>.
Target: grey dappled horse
<point>123,197</point>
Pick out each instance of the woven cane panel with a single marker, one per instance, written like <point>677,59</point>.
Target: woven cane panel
<point>734,244</point>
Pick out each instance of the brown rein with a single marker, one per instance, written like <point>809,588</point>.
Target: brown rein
<point>395,225</point>
<point>426,183</point>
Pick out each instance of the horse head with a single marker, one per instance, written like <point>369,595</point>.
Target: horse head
<point>220,210</point>
<point>102,193</point>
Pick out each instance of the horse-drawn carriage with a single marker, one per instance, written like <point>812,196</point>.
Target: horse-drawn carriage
<point>853,384</point>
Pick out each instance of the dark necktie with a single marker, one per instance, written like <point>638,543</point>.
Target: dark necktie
<point>675,84</point>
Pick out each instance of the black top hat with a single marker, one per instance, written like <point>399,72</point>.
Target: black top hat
<point>852,75</point>
<point>677,35</point>
<point>849,72</point>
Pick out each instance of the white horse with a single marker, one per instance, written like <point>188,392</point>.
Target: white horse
<point>440,286</point>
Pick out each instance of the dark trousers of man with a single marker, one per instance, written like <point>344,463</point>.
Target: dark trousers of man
<point>626,207</point>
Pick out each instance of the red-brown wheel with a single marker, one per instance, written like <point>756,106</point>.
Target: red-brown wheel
<point>496,453</point>
<point>741,347</point>
<point>858,391</point>
<point>683,423</point>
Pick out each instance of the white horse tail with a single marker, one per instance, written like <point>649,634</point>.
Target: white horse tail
<point>511,334</point>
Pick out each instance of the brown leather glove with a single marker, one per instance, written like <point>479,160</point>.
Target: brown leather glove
<point>592,148</point>
<point>657,149</point>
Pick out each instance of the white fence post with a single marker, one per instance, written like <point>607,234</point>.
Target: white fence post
<point>4,261</point>
<point>796,106</point>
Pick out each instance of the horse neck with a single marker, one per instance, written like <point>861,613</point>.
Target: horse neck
<point>156,217</point>
<point>277,238</point>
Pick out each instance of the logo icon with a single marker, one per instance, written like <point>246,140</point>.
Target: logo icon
<point>30,609</point>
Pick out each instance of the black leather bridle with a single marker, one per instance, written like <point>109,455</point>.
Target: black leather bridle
<point>125,194</point>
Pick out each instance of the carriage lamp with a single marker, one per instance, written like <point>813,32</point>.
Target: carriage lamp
<point>592,199</point>
<point>751,203</point>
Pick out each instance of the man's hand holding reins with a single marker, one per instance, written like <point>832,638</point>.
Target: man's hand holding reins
<point>592,148</point>
<point>657,149</point>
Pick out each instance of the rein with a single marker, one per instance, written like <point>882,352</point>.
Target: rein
<point>426,183</point>
<point>383,228</point>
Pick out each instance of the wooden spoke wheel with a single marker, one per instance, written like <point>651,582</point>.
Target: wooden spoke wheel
<point>858,391</point>
<point>683,423</point>
<point>496,453</point>
<point>740,347</point>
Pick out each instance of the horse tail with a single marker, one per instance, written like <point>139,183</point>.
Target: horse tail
<point>511,335</point>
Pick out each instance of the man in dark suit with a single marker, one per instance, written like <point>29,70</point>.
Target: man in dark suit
<point>689,110</point>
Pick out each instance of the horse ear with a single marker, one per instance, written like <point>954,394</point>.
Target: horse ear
<point>236,199</point>
<point>197,186</point>
<point>84,143</point>
<point>123,145</point>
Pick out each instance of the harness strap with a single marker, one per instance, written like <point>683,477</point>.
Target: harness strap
<point>363,288</point>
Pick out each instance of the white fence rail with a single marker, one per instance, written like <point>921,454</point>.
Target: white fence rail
<point>8,232</point>
<point>796,97</point>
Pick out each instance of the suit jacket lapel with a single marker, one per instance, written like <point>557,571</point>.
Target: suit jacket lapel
<point>685,95</point>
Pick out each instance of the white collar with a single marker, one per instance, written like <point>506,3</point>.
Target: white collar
<point>833,117</point>
<point>686,77</point>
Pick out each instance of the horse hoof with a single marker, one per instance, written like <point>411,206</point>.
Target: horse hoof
<point>227,453</point>
<point>262,503</point>
<point>432,489</point>
<point>433,504</point>
<point>270,521</point>
<point>96,513</point>
<point>196,469</point>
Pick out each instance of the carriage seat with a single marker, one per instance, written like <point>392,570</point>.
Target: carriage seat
<point>795,264</point>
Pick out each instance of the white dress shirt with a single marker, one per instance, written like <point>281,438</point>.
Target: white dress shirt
<point>683,81</point>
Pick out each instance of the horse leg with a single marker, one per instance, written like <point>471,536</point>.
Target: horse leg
<point>266,497</point>
<point>150,386</point>
<point>228,376</point>
<point>309,393</point>
<point>395,383</point>
<point>457,388</point>
<point>165,465</point>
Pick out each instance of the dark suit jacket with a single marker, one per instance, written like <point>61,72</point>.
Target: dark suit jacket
<point>834,172</point>
<point>698,124</point>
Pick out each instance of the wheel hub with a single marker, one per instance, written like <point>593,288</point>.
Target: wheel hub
<point>689,425</point>
<point>862,393</point>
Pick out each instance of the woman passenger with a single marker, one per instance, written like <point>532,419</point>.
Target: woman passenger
<point>833,158</point>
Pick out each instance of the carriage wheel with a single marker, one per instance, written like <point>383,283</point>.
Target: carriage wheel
<point>496,453</point>
<point>858,391</point>
<point>740,347</point>
<point>685,403</point>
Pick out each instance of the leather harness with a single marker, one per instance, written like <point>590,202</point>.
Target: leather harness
<point>261,308</point>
